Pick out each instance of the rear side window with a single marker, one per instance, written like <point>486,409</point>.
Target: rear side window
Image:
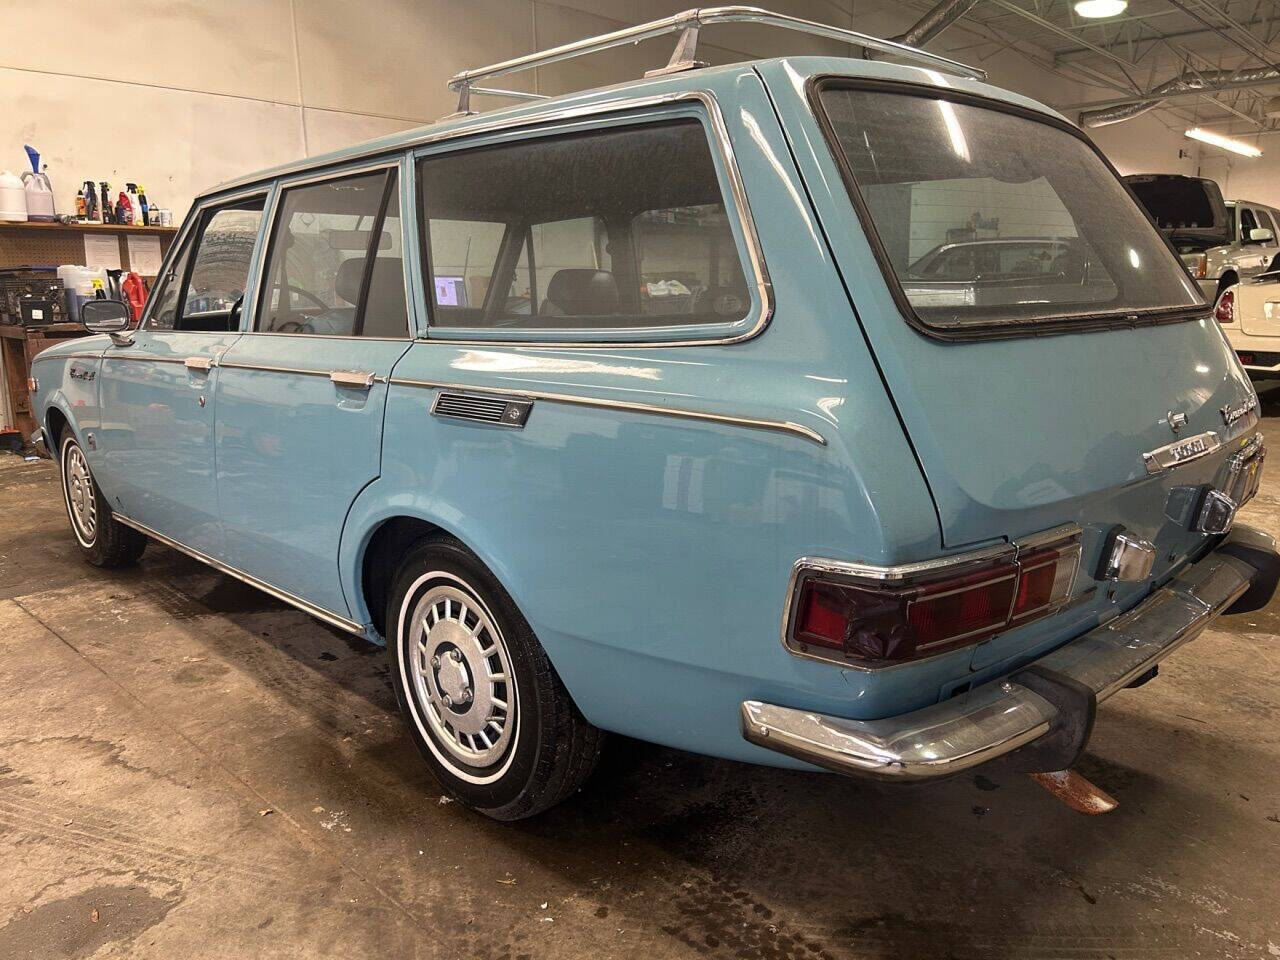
<point>335,265</point>
<point>623,228</point>
<point>204,292</point>
<point>991,219</point>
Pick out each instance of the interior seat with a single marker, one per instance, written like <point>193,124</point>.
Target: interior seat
<point>581,292</point>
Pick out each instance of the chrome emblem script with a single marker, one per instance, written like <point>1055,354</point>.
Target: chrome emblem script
<point>1181,451</point>
<point>1232,414</point>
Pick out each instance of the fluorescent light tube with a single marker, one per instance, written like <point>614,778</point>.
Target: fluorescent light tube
<point>1226,143</point>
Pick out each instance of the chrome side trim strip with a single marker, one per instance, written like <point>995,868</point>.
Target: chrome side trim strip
<point>144,357</point>
<point>66,356</point>
<point>300,371</point>
<point>305,606</point>
<point>777,426</point>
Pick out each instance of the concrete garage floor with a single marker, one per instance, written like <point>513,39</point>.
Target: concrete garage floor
<point>189,768</point>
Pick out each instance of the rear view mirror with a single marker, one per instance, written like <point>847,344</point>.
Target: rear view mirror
<point>105,316</point>
<point>1261,235</point>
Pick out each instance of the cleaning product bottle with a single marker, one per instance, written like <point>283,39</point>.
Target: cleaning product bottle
<point>81,210</point>
<point>107,215</point>
<point>124,209</point>
<point>135,205</point>
<point>13,197</point>
<point>39,190</point>
<point>143,207</point>
<point>91,209</point>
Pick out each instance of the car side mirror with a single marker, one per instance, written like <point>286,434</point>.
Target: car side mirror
<point>110,317</point>
<point>105,316</point>
<point>1261,235</point>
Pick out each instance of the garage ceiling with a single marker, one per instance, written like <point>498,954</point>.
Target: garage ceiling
<point>1228,47</point>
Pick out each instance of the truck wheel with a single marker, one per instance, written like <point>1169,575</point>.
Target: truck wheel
<point>483,703</point>
<point>104,541</point>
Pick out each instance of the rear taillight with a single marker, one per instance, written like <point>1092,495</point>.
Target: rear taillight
<point>881,622</point>
<point>1225,311</point>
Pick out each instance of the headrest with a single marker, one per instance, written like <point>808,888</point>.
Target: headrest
<point>347,283</point>
<point>583,292</point>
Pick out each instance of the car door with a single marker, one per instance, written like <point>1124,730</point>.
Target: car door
<point>301,394</point>
<point>158,384</point>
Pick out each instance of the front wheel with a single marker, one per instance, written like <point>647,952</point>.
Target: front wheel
<point>483,703</point>
<point>104,541</point>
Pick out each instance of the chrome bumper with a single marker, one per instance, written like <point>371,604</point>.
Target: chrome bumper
<point>1003,715</point>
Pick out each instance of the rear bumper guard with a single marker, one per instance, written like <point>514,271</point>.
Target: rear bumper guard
<point>1003,715</point>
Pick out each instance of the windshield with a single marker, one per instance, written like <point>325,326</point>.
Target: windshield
<point>991,218</point>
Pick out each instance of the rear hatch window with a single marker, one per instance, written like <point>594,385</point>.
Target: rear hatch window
<point>1189,210</point>
<point>991,221</point>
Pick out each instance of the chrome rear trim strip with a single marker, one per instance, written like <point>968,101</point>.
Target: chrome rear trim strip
<point>777,426</point>
<point>1181,451</point>
<point>305,606</point>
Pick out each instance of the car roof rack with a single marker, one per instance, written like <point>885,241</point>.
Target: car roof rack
<point>687,24</point>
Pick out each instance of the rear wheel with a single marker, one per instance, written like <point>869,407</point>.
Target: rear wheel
<point>483,703</point>
<point>104,541</point>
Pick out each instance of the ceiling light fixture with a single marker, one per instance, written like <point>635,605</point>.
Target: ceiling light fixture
<point>1226,143</point>
<point>1097,9</point>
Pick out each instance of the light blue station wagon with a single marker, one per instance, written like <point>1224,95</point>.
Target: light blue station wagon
<point>647,410</point>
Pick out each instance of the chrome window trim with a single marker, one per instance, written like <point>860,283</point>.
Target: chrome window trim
<point>777,426</point>
<point>306,606</point>
<point>897,572</point>
<point>197,210</point>
<point>720,140</point>
<point>270,214</point>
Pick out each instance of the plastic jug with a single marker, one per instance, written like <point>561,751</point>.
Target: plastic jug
<point>79,284</point>
<point>38,188</point>
<point>13,197</point>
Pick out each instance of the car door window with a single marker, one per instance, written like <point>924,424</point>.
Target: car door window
<point>622,228</point>
<point>219,270</point>
<point>1266,223</point>
<point>1247,222</point>
<point>335,265</point>
<point>204,291</point>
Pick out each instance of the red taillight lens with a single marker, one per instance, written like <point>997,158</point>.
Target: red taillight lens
<point>895,622</point>
<point>1225,311</point>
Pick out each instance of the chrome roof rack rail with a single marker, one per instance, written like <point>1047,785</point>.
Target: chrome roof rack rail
<point>687,24</point>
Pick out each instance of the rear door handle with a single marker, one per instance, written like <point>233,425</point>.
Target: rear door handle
<point>199,363</point>
<point>357,379</point>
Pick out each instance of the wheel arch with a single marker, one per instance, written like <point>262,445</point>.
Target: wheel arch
<point>57,418</point>
<point>380,528</point>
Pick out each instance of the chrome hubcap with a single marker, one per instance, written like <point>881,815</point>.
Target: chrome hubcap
<point>80,498</point>
<point>462,675</point>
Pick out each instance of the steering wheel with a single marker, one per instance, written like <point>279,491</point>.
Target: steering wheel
<point>290,288</point>
<point>293,326</point>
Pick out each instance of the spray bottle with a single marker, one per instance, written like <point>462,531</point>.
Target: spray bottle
<point>143,207</point>
<point>107,216</point>
<point>91,208</point>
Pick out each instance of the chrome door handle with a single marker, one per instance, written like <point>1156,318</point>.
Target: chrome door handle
<point>199,363</point>
<point>358,379</point>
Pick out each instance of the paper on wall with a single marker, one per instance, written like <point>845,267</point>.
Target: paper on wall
<point>102,251</point>
<point>144,255</point>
